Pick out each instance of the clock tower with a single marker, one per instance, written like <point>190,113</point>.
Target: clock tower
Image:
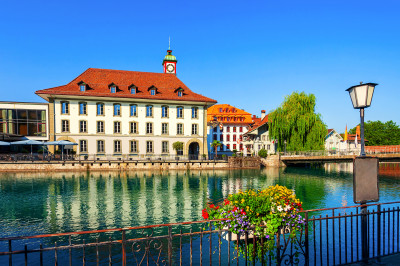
<point>169,63</point>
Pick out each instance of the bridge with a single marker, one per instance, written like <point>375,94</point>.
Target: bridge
<point>306,157</point>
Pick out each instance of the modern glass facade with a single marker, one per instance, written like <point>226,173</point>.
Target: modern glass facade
<point>24,122</point>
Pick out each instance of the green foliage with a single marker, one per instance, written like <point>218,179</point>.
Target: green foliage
<point>177,145</point>
<point>215,144</point>
<point>296,122</point>
<point>262,153</point>
<point>378,133</point>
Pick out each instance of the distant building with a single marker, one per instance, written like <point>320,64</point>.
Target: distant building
<point>19,119</point>
<point>115,112</point>
<point>227,124</point>
<point>333,141</point>
<point>258,138</point>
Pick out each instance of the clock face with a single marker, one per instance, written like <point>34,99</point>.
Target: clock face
<point>170,68</point>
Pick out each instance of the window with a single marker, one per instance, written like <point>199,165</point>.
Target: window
<point>133,90</point>
<point>64,125</point>
<point>215,129</point>
<point>117,146</point>
<point>180,93</point>
<point>234,146</point>
<point>228,138</point>
<point>133,108</point>
<point>164,148</point>
<point>82,126</point>
<point>179,112</point>
<point>215,137</point>
<point>149,128</point>
<point>194,129</point>
<point>117,109</point>
<point>113,89</point>
<point>64,107</point>
<point>117,127</point>
<point>149,146</point>
<point>221,110</point>
<point>241,147</point>
<point>100,146</point>
<point>100,127</point>
<point>268,147</point>
<point>228,146</point>
<point>100,108</point>
<point>240,129</point>
<point>133,146</point>
<point>228,129</point>
<point>82,87</point>
<point>82,108</point>
<point>83,146</point>
<point>133,128</point>
<point>233,129</point>
<point>234,137</point>
<point>164,111</point>
<point>179,129</point>
<point>149,111</point>
<point>164,128</point>
<point>195,111</point>
<point>153,92</point>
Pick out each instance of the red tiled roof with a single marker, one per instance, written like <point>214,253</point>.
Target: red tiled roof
<point>99,80</point>
<point>259,123</point>
<point>233,114</point>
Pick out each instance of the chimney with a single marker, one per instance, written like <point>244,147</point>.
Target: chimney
<point>358,131</point>
<point>262,114</point>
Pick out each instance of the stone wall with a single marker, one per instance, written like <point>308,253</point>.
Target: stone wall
<point>111,165</point>
<point>244,162</point>
<point>272,160</point>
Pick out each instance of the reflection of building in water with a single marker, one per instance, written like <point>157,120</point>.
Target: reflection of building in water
<point>339,167</point>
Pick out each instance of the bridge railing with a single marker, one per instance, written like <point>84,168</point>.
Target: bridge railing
<point>369,150</point>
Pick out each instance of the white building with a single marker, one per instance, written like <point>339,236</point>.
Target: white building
<point>114,112</point>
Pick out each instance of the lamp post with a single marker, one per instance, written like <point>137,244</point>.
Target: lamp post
<point>361,97</point>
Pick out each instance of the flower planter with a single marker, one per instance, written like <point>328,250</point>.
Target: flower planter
<point>250,235</point>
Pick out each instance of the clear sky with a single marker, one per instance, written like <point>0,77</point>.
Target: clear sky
<point>249,54</point>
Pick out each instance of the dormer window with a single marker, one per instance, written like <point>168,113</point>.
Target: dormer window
<point>113,89</point>
<point>82,87</point>
<point>180,93</point>
<point>133,90</point>
<point>153,92</point>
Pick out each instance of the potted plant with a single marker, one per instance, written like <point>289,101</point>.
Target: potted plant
<point>178,146</point>
<point>215,144</point>
<point>263,213</point>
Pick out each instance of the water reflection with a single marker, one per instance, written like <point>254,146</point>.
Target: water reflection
<point>33,203</point>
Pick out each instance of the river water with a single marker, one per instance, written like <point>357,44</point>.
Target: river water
<point>38,203</point>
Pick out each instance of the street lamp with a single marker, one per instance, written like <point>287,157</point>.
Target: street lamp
<point>365,169</point>
<point>361,97</point>
<point>285,146</point>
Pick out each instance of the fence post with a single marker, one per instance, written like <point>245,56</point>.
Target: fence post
<point>9,250</point>
<point>278,247</point>
<point>379,229</point>
<point>306,241</point>
<point>169,245</point>
<point>123,248</point>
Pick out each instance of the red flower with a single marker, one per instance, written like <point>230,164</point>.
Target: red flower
<point>212,206</point>
<point>205,214</point>
<point>217,207</point>
<point>235,208</point>
<point>226,202</point>
<point>242,212</point>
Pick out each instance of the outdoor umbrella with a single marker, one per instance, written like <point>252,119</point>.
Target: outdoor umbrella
<point>62,143</point>
<point>3,143</point>
<point>27,142</point>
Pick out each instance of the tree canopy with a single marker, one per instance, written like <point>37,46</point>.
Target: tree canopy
<point>378,133</point>
<point>296,122</point>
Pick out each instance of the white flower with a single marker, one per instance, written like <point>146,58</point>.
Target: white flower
<point>280,208</point>
<point>287,207</point>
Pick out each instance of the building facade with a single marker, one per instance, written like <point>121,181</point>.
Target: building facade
<point>113,112</point>
<point>258,138</point>
<point>24,119</point>
<point>227,124</point>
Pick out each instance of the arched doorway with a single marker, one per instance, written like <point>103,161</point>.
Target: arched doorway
<point>194,151</point>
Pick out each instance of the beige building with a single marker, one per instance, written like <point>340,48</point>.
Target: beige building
<point>127,113</point>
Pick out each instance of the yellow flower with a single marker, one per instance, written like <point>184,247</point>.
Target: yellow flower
<point>242,201</point>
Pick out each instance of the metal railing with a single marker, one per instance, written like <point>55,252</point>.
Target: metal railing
<point>368,150</point>
<point>331,236</point>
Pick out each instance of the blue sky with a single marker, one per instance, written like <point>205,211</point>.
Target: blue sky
<point>249,54</point>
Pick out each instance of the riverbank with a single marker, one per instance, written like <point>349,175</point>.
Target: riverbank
<point>118,165</point>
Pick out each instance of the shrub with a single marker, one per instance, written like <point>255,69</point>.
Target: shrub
<point>262,153</point>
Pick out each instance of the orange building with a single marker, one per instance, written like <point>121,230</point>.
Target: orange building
<point>227,124</point>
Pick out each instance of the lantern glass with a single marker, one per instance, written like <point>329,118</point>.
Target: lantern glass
<point>361,95</point>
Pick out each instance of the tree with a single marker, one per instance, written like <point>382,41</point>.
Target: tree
<point>178,146</point>
<point>378,133</point>
<point>262,153</point>
<point>296,122</point>
<point>215,144</point>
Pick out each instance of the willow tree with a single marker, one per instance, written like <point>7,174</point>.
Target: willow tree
<point>296,122</point>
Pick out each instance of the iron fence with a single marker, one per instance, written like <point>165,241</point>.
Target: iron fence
<point>330,236</point>
<point>355,151</point>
